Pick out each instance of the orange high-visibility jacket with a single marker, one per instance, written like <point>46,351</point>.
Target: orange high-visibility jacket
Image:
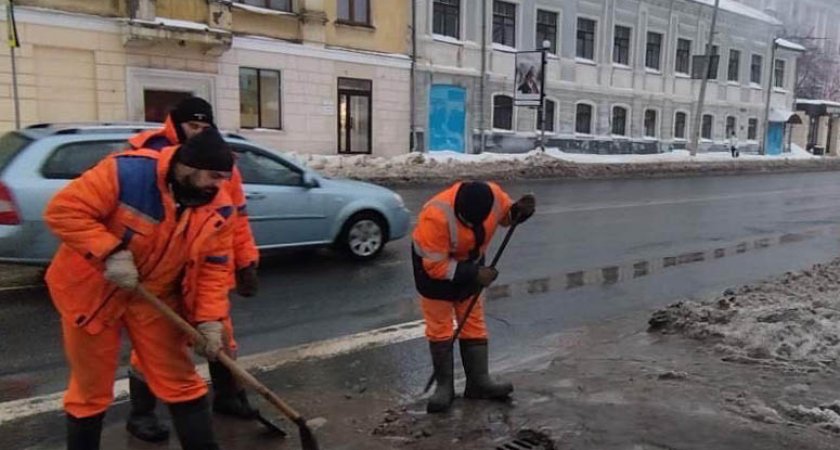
<point>125,202</point>
<point>244,246</point>
<point>442,245</point>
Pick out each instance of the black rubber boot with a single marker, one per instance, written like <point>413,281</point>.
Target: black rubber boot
<point>142,421</point>
<point>444,393</point>
<point>228,398</point>
<point>479,383</point>
<point>193,424</point>
<point>84,434</point>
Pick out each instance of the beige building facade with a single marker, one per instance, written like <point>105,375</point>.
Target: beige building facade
<point>307,76</point>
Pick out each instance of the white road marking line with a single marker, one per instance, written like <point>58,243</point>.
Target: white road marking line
<point>261,362</point>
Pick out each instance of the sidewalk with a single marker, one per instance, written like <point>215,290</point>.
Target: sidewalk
<point>751,369</point>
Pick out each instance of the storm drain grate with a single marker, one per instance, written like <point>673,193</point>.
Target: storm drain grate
<point>527,440</point>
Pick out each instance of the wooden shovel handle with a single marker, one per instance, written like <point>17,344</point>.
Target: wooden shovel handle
<point>241,374</point>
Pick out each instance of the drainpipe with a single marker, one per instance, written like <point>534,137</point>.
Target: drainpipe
<point>413,81</point>
<point>481,86</point>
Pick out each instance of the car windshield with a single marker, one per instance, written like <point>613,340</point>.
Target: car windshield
<point>10,145</point>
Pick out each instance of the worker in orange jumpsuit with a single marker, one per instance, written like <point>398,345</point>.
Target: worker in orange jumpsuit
<point>453,232</point>
<point>190,117</point>
<point>158,217</point>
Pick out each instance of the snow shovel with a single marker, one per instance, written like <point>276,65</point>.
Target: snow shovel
<point>474,300</point>
<point>307,438</point>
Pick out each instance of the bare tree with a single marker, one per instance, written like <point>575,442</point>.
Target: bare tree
<point>817,74</point>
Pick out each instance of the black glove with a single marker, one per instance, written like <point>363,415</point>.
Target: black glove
<point>486,276</point>
<point>523,209</point>
<point>247,281</point>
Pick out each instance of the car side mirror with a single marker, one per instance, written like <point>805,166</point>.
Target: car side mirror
<point>309,181</point>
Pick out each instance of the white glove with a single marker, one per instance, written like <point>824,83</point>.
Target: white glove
<point>212,333</point>
<point>120,270</point>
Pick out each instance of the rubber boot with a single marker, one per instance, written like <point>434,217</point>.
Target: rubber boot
<point>229,398</point>
<point>84,434</point>
<point>142,421</point>
<point>479,383</point>
<point>444,393</point>
<point>193,424</point>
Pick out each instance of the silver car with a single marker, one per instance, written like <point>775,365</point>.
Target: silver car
<point>289,205</point>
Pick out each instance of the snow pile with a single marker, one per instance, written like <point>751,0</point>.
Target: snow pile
<point>792,321</point>
<point>536,163</point>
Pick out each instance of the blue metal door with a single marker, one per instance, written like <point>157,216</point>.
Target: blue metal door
<point>447,118</point>
<point>775,138</point>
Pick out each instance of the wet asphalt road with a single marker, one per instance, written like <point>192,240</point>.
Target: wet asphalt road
<point>586,233</point>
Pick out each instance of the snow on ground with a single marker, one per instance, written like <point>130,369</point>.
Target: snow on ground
<point>552,162</point>
<point>792,321</point>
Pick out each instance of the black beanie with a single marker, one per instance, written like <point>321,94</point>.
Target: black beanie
<point>474,201</point>
<point>207,151</point>
<point>192,109</point>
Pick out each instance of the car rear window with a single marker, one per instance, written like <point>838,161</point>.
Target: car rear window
<point>10,145</point>
<point>71,160</point>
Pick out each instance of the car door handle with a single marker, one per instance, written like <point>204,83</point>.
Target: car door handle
<point>254,196</point>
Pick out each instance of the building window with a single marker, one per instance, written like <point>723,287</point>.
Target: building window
<point>714,63</point>
<point>779,74</point>
<point>731,126</point>
<point>550,108</point>
<point>619,121</point>
<point>259,98</point>
<point>621,45</point>
<point>653,54</point>
<point>650,123</point>
<point>504,23</point>
<point>752,129</point>
<point>683,64</point>
<point>277,5</point>
<point>355,115</point>
<point>503,112</point>
<point>547,30</point>
<point>586,39</point>
<point>583,119</point>
<point>680,120</point>
<point>706,129</point>
<point>734,73</point>
<point>755,69</point>
<point>354,11</point>
<point>447,18</point>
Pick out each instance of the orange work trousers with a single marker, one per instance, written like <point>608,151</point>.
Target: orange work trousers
<point>441,314</point>
<point>231,347</point>
<point>162,355</point>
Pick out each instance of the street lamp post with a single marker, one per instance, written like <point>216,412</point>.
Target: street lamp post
<point>545,46</point>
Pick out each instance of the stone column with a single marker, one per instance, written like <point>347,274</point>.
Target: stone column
<point>313,18</point>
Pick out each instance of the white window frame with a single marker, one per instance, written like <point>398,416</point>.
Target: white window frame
<point>740,66</point>
<point>493,113</point>
<point>628,120</point>
<point>517,33</point>
<point>690,54</point>
<point>657,126</point>
<point>687,125</point>
<point>662,45</point>
<point>712,138</point>
<point>139,79</point>
<point>555,123</point>
<point>761,80</point>
<point>757,129</point>
<point>595,51</point>
<point>559,32</point>
<point>593,121</point>
<point>631,52</point>
<point>726,135</point>
<point>783,87</point>
<point>462,31</point>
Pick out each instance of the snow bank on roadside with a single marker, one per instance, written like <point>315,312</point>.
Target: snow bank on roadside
<point>793,320</point>
<point>448,164</point>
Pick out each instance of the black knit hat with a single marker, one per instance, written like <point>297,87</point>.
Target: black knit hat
<point>474,201</point>
<point>207,151</point>
<point>192,109</point>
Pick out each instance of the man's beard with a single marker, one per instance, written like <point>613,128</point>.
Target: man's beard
<point>186,194</point>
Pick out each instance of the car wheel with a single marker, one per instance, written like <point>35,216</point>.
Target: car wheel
<point>363,236</point>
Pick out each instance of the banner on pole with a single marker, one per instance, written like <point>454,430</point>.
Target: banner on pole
<point>528,79</point>
<point>11,25</point>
